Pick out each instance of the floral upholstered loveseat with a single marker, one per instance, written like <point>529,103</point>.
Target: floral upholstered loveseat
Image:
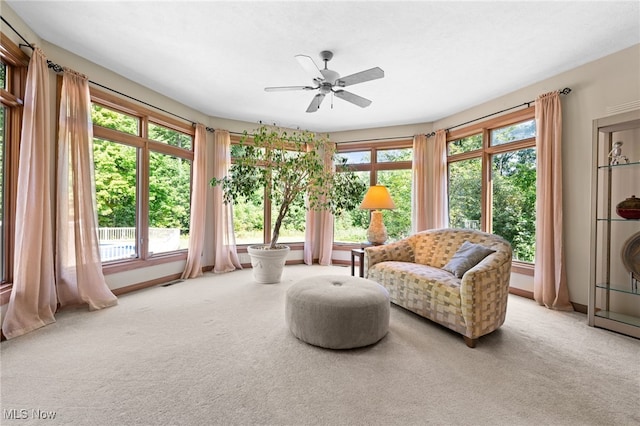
<point>413,270</point>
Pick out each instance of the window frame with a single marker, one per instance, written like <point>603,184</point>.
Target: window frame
<point>485,154</point>
<point>267,218</point>
<point>17,63</point>
<point>373,167</point>
<point>145,146</point>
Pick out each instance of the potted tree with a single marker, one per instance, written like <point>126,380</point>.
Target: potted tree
<point>291,167</point>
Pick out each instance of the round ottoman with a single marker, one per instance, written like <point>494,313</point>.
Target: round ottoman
<point>337,312</point>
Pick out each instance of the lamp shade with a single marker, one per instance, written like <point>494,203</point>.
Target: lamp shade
<point>377,198</point>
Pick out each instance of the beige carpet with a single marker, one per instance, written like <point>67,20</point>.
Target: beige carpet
<point>216,350</point>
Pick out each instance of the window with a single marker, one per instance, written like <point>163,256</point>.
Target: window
<point>492,180</point>
<point>143,182</point>
<point>254,218</point>
<point>13,71</point>
<point>388,164</point>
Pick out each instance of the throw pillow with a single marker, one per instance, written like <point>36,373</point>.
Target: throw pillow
<point>467,256</point>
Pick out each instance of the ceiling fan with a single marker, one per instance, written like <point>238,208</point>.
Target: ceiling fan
<point>328,81</point>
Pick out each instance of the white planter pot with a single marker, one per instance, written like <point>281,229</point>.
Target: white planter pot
<point>267,264</point>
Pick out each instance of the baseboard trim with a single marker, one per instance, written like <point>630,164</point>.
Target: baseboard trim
<point>146,284</point>
<point>578,307</point>
<point>520,292</point>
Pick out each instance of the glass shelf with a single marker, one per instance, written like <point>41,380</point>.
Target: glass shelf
<point>614,301</point>
<point>615,316</point>
<point>619,288</point>
<point>615,166</point>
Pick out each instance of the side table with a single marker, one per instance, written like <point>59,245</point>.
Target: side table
<point>359,253</point>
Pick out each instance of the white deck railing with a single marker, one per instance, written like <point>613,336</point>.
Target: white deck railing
<point>120,243</point>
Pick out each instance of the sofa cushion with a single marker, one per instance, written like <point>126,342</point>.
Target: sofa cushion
<point>435,248</point>
<point>425,290</point>
<point>467,256</point>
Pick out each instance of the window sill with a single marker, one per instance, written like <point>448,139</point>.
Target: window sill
<point>242,248</point>
<point>5,293</point>
<point>131,264</point>
<point>522,268</point>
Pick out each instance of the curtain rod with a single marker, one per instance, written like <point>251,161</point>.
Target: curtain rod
<point>564,91</point>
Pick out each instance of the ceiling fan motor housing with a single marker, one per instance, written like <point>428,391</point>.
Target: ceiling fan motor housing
<point>330,76</point>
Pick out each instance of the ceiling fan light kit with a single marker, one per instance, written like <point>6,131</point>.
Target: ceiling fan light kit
<point>327,81</point>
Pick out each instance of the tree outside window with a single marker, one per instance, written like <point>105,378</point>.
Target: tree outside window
<point>142,180</point>
<point>500,200</point>
<point>388,164</point>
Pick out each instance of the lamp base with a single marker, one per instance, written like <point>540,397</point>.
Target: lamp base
<point>377,232</point>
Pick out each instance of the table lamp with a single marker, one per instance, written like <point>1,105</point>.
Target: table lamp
<point>377,198</point>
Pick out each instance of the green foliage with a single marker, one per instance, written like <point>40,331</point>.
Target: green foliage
<point>514,198</point>
<point>465,189</point>
<point>470,143</point>
<point>291,167</point>
<point>3,76</point>
<point>111,119</point>
<point>169,136</point>
<point>115,180</point>
<point>398,220</point>
<point>169,192</point>
<point>116,177</point>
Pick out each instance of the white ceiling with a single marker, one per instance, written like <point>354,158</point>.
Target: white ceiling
<point>439,58</point>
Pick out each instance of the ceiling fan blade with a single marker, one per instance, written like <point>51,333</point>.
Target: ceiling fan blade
<point>360,77</point>
<point>353,98</point>
<point>315,103</point>
<point>310,67</point>
<point>285,88</point>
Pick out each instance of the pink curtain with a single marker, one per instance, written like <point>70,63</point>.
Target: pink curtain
<point>438,193</point>
<point>79,275</point>
<point>193,267</point>
<point>419,187</point>
<point>226,255</point>
<point>318,234</point>
<point>429,208</point>
<point>549,281</point>
<point>32,303</point>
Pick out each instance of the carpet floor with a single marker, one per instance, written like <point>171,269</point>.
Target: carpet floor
<point>216,350</point>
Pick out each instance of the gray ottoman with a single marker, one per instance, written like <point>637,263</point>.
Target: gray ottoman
<point>337,312</point>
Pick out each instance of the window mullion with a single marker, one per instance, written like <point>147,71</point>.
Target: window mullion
<point>142,195</point>
<point>143,191</point>
<point>487,183</point>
